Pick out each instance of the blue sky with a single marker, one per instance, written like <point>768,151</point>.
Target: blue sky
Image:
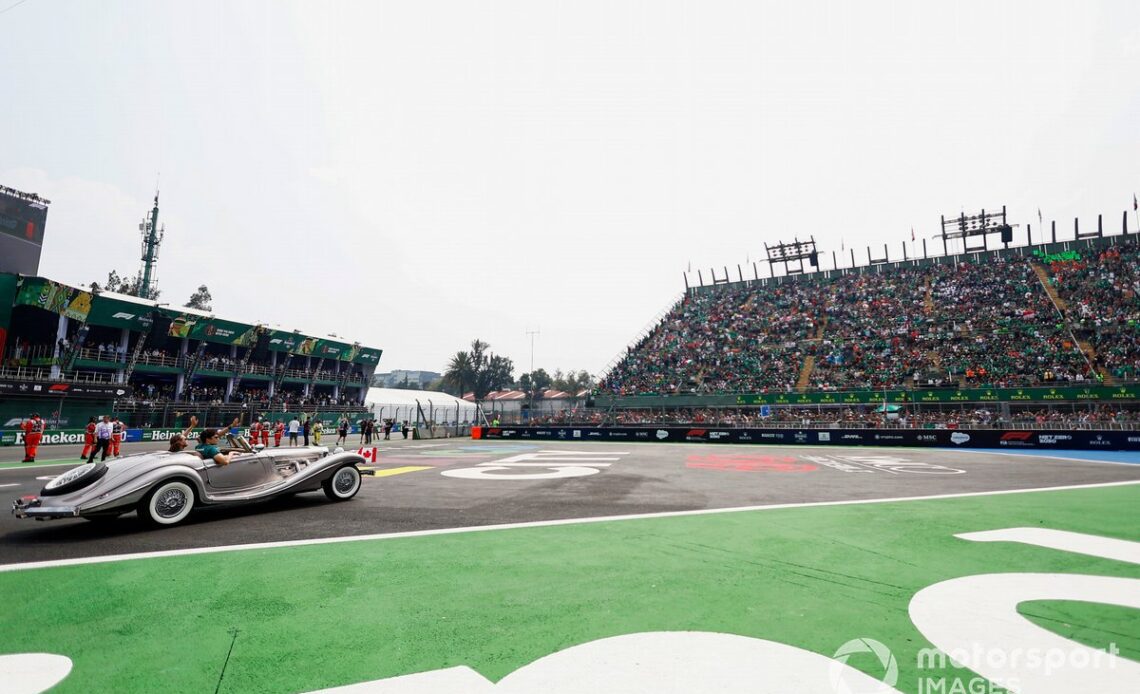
<point>413,175</point>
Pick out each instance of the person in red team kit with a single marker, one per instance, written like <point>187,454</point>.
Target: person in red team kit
<point>88,439</point>
<point>117,431</point>
<point>265,426</point>
<point>254,432</point>
<point>278,432</point>
<point>33,432</point>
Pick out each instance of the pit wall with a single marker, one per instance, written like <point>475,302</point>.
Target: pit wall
<point>921,438</point>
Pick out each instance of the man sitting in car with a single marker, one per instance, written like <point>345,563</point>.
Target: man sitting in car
<point>208,444</point>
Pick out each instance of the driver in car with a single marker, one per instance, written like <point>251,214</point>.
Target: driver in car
<point>208,444</point>
<point>208,447</point>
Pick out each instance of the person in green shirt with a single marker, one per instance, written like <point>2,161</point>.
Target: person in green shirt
<point>208,446</point>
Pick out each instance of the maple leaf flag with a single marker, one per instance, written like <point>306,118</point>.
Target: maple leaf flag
<point>371,455</point>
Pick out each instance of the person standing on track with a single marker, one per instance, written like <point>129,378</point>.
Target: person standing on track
<point>294,429</point>
<point>88,438</point>
<point>265,427</point>
<point>305,430</point>
<point>102,438</point>
<point>318,429</point>
<point>342,431</point>
<point>118,429</point>
<point>278,432</point>
<point>33,433</point>
<point>254,432</point>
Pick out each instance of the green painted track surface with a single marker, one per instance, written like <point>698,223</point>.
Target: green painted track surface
<point>325,615</point>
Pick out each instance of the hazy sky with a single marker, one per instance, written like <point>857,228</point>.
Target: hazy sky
<point>416,174</point>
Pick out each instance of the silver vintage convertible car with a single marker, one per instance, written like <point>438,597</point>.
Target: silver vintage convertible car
<point>164,487</point>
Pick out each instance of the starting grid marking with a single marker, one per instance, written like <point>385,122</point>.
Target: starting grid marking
<point>392,471</point>
<point>557,464</point>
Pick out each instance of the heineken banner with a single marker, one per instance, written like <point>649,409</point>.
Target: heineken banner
<point>896,397</point>
<point>73,436</point>
<point>920,438</point>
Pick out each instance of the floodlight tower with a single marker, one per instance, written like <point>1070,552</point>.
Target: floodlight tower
<point>151,239</point>
<point>794,252</point>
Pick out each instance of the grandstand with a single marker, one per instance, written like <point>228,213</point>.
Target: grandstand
<point>152,364</point>
<point>1050,325</point>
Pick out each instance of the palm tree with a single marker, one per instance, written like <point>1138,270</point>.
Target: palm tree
<point>460,372</point>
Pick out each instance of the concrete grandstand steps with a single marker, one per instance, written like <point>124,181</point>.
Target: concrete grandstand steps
<point>805,373</point>
<point>804,378</point>
<point>1090,354</point>
<point>821,328</point>
<point>1046,282</point>
<point>1087,349</point>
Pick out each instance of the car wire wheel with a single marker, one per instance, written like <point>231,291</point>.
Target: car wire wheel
<point>167,504</point>
<point>344,483</point>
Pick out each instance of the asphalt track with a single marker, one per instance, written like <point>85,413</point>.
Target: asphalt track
<point>424,485</point>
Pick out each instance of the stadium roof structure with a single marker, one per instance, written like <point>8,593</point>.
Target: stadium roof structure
<point>114,310</point>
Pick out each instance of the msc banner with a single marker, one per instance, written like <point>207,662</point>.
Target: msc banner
<point>930,438</point>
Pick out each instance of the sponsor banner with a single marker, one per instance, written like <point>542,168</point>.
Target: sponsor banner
<point>220,331</point>
<point>53,437</point>
<point>101,310</point>
<point>54,297</point>
<point>89,390</point>
<point>935,438</point>
<point>1091,393</point>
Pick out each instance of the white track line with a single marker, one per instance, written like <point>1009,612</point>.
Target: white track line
<point>531,524</point>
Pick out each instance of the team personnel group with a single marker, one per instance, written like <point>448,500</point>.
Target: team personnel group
<point>105,437</point>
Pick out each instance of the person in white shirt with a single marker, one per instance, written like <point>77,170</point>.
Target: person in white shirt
<point>103,432</point>
<point>294,429</point>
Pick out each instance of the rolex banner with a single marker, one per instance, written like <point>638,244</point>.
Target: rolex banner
<point>946,396</point>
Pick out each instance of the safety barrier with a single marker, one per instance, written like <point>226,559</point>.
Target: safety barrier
<point>927,438</point>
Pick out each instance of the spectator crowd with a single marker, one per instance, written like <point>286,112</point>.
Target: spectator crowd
<point>965,324</point>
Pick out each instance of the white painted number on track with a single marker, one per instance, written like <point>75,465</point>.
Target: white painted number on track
<point>559,464</point>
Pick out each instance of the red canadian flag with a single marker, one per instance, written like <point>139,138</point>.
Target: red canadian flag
<point>371,455</point>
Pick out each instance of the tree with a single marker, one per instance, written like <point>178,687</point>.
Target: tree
<point>125,285</point>
<point>459,373</point>
<point>479,370</point>
<point>200,299</point>
<point>571,382</point>
<point>535,382</point>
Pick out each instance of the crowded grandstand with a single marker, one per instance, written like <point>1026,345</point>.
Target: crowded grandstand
<point>151,364</point>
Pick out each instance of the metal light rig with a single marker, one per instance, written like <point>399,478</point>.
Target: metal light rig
<point>796,252</point>
<point>151,239</point>
<point>975,227</point>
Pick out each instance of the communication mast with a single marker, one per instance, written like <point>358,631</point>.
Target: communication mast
<point>151,239</point>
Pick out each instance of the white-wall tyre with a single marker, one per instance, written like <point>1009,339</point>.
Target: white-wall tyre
<point>167,504</point>
<point>344,483</point>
